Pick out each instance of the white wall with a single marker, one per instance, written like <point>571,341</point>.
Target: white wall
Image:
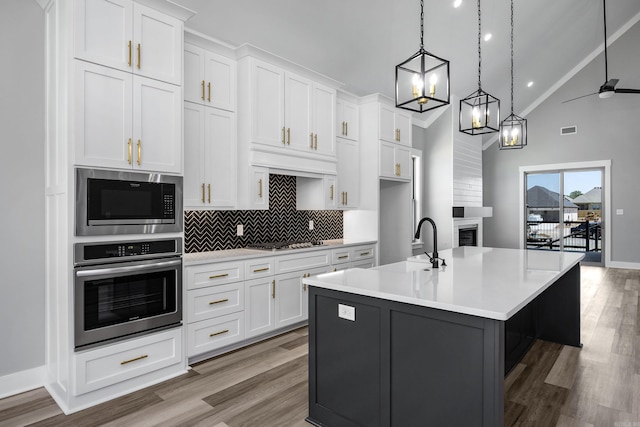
<point>22,289</point>
<point>607,129</point>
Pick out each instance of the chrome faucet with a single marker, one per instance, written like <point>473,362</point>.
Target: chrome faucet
<point>434,259</point>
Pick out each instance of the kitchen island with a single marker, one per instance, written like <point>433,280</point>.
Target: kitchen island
<point>405,344</point>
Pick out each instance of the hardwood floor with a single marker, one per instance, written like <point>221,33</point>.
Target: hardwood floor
<point>266,384</point>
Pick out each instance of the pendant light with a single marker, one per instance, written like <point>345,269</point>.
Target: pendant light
<point>513,130</point>
<point>479,112</point>
<point>422,81</point>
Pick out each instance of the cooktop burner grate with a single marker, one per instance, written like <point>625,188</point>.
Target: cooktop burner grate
<point>274,246</point>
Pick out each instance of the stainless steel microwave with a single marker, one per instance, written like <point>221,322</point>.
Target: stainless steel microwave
<point>120,202</point>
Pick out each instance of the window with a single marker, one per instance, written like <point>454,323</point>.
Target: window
<point>416,194</point>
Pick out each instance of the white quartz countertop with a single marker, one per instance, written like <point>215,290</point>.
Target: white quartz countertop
<point>494,283</point>
<point>241,254</point>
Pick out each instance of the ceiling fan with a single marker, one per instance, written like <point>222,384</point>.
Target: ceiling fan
<point>608,89</point>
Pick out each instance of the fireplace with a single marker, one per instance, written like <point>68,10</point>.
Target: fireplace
<point>468,235</point>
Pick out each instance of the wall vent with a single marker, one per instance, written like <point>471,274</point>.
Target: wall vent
<point>568,130</point>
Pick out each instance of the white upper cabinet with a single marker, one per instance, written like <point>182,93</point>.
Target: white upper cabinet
<point>395,161</point>
<point>395,125</point>
<point>291,111</point>
<point>209,173</point>
<point>348,194</point>
<point>347,120</point>
<point>129,36</point>
<point>209,78</point>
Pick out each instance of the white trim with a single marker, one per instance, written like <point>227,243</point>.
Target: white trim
<point>22,381</point>
<point>432,117</point>
<point>615,36</point>
<point>597,164</point>
<point>628,265</point>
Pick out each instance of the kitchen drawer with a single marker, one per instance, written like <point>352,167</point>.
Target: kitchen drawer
<point>205,303</point>
<point>340,256</point>
<point>302,261</point>
<point>122,361</point>
<point>362,252</point>
<point>212,334</point>
<point>362,264</point>
<point>259,267</point>
<point>200,276</point>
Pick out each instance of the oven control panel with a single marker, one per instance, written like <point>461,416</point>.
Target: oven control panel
<point>107,251</point>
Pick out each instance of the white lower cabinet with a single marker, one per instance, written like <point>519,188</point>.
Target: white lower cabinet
<point>353,257</point>
<point>259,314</point>
<point>109,365</point>
<point>290,299</point>
<point>209,335</point>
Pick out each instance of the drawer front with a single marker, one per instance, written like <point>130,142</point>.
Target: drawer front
<point>258,268</point>
<point>109,365</point>
<point>206,303</point>
<point>362,252</point>
<point>200,276</point>
<point>308,260</point>
<point>339,256</point>
<point>214,333</point>
<point>362,264</point>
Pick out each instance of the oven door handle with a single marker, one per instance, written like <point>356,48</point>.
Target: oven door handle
<point>128,269</point>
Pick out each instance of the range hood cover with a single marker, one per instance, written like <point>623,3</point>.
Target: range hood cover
<point>472,211</point>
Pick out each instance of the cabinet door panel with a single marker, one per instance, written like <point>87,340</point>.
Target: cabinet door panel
<point>403,158</point>
<point>259,188</point>
<point>297,112</point>
<point>102,32</point>
<point>220,157</point>
<point>350,117</point>
<point>160,39</point>
<point>403,124</point>
<point>102,115</point>
<point>324,117</point>
<point>348,174</point>
<point>289,301</point>
<point>157,125</point>
<point>259,305</point>
<point>387,160</point>
<point>194,85</point>
<point>267,107</point>
<point>387,125</point>
<point>194,157</point>
<point>220,78</point>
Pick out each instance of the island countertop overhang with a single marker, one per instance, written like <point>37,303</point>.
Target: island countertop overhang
<point>493,283</point>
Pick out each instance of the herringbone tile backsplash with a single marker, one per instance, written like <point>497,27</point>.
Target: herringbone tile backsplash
<point>216,230</point>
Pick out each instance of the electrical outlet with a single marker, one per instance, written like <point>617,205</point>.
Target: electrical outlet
<point>310,225</point>
<point>619,211</point>
<point>240,230</point>
<point>347,312</point>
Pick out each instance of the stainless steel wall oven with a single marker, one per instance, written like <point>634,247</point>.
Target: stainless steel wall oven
<point>121,202</point>
<point>123,289</point>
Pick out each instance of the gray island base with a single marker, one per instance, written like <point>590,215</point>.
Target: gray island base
<point>382,354</point>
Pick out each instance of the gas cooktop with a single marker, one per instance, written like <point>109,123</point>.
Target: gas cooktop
<point>276,246</point>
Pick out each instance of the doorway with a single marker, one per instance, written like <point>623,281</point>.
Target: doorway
<point>563,211</point>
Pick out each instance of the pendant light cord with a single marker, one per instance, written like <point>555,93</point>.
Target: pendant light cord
<point>479,51</point>
<point>421,25</point>
<point>512,57</point>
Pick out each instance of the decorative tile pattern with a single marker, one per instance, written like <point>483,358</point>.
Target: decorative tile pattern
<point>216,230</point>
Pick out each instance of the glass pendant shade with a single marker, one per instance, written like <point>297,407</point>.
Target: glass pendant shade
<point>513,133</point>
<point>422,82</point>
<point>479,113</point>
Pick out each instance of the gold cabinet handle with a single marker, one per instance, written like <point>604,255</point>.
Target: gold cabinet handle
<point>202,84</point>
<point>343,256</point>
<point>258,270</point>
<point>304,287</point>
<point>288,136</point>
<point>335,269</point>
<point>315,141</point>
<point>346,197</point>
<point>346,128</point>
<point>331,192</point>
<point>203,192</point>
<point>218,333</point>
<point>343,197</point>
<point>273,289</point>
<point>129,150</point>
<point>135,359</point>
<point>138,56</point>
<point>311,140</point>
<point>139,152</point>
<point>364,253</point>
<point>208,193</point>
<point>260,188</point>
<point>283,139</point>
<point>209,89</point>
<point>219,276</point>
<point>130,47</point>
<point>219,301</point>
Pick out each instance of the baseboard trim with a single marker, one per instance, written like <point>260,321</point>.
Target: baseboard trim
<point>627,265</point>
<point>22,381</point>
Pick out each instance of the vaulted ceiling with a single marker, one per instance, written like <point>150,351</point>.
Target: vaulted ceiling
<point>359,42</point>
